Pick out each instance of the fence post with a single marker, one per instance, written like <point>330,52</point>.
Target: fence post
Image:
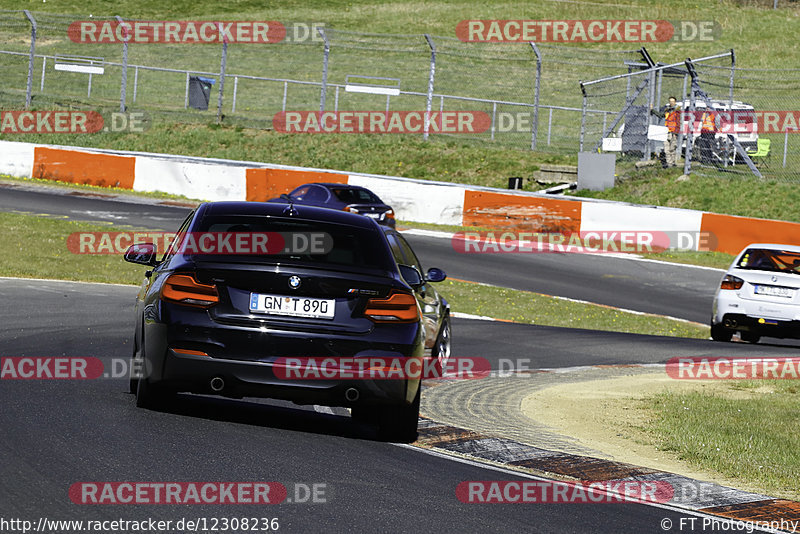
<point>431,76</point>
<point>123,89</point>
<point>730,105</point>
<point>325,53</point>
<point>223,64</point>
<point>651,90</point>
<point>535,125</point>
<point>583,118</point>
<point>31,58</point>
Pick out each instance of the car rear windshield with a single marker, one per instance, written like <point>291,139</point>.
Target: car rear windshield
<point>236,238</point>
<point>764,259</point>
<point>355,196</point>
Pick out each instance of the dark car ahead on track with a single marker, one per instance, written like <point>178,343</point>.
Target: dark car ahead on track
<point>212,318</point>
<point>343,197</point>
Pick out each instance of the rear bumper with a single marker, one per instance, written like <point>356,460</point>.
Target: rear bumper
<point>192,373</point>
<point>761,325</point>
<point>248,362</point>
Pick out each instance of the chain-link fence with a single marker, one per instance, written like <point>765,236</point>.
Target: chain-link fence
<point>530,92</point>
<point>754,116</point>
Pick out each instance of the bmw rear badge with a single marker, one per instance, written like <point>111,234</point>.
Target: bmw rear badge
<point>774,278</point>
<point>294,282</point>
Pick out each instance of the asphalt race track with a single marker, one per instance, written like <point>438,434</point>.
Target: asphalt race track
<point>60,432</point>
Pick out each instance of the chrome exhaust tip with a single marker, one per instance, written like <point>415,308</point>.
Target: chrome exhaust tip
<point>351,394</point>
<point>217,384</point>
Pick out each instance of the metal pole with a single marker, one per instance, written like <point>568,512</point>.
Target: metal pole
<point>223,64</point>
<point>494,112</point>
<point>535,125</point>
<point>135,82</point>
<point>124,83</point>
<point>235,87</point>
<point>583,120</point>
<point>325,54</point>
<point>31,59</point>
<point>44,66</point>
<point>687,160</point>
<point>336,99</point>
<point>658,88</point>
<point>650,97</point>
<point>658,67</point>
<point>89,92</point>
<point>186,96</point>
<point>431,77</point>
<point>785,145</point>
<point>285,90</point>
<point>730,105</point>
<point>549,126</point>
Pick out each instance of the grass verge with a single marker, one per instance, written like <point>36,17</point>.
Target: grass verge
<point>717,193</point>
<point>755,420</point>
<point>528,307</point>
<point>35,247</point>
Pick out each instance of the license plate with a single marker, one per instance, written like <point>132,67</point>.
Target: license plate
<point>373,215</point>
<point>775,291</point>
<point>292,306</point>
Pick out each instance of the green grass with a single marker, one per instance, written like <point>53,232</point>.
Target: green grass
<point>36,247</point>
<point>391,155</point>
<point>745,432</point>
<point>534,308</point>
<point>730,195</point>
<point>469,69</point>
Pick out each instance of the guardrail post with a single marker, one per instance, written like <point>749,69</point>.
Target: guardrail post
<point>31,58</point>
<point>535,125</point>
<point>325,53</point>
<point>431,75</point>
<point>124,87</point>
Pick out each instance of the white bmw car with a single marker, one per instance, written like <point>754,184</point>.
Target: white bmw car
<point>759,295</point>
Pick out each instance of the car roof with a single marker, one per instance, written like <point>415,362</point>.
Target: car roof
<point>335,184</point>
<point>773,246</point>
<point>276,209</point>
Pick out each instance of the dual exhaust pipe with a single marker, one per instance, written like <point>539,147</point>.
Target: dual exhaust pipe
<point>730,323</point>
<point>218,384</point>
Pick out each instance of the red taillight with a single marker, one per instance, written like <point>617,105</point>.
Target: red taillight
<point>389,214</point>
<point>190,352</point>
<point>184,289</point>
<point>396,308</point>
<point>731,282</point>
<point>351,209</point>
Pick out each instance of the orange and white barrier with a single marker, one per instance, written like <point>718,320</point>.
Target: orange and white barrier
<point>413,200</point>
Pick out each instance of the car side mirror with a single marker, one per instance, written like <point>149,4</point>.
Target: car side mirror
<point>142,253</point>
<point>435,275</point>
<point>411,275</point>
<point>286,197</point>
